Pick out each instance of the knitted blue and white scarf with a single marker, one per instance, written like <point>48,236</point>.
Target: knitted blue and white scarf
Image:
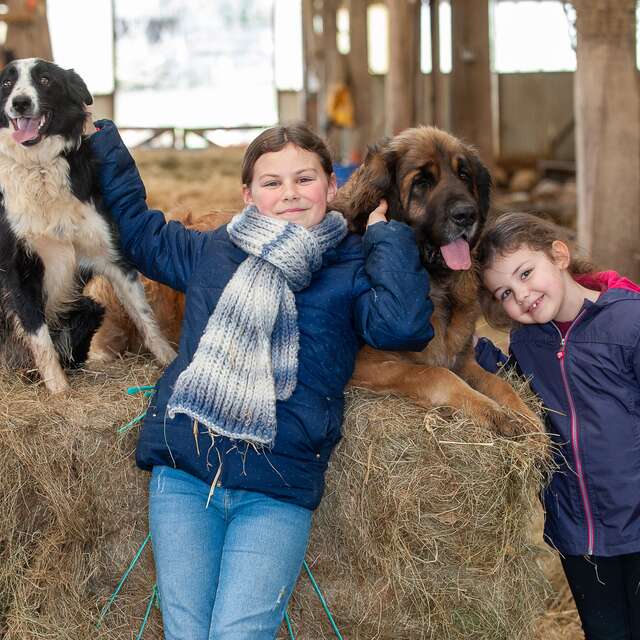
<point>247,357</point>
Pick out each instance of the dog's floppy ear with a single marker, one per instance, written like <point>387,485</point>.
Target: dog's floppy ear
<point>373,180</point>
<point>77,87</point>
<point>483,181</point>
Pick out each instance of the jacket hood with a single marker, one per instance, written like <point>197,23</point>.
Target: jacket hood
<point>605,280</point>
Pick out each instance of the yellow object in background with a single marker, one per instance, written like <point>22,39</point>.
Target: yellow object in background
<point>340,106</point>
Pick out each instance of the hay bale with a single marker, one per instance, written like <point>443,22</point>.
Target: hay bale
<point>73,507</point>
<point>424,531</point>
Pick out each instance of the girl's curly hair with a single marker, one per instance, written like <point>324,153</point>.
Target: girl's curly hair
<point>507,233</point>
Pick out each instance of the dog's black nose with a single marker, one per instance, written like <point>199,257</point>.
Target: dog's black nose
<point>21,104</point>
<point>463,214</point>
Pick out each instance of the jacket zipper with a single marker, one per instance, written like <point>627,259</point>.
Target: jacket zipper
<point>574,438</point>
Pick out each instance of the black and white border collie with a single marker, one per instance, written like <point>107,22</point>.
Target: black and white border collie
<point>54,231</point>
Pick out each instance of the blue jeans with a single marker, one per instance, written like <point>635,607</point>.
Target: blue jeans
<point>224,572</point>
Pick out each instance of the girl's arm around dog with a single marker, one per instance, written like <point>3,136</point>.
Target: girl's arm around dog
<point>392,307</point>
<point>166,252</point>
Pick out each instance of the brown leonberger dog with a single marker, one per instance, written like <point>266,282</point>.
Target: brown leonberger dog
<point>439,186</point>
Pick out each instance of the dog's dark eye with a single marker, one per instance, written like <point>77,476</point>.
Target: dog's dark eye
<point>463,174</point>
<point>424,180</point>
<point>44,81</point>
<point>7,83</point>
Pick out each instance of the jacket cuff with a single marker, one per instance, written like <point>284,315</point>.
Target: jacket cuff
<point>117,165</point>
<point>488,356</point>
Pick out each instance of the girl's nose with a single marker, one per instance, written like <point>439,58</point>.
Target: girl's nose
<point>290,191</point>
<point>521,295</point>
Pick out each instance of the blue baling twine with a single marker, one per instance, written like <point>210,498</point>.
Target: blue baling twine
<point>147,613</point>
<point>114,595</point>
<point>148,392</point>
<point>323,602</point>
<point>155,597</point>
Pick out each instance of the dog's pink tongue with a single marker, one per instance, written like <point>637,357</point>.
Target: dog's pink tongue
<point>457,255</point>
<point>27,129</point>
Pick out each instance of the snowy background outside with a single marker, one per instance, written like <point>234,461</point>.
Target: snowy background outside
<point>195,64</point>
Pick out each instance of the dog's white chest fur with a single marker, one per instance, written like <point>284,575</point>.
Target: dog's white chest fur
<point>42,210</point>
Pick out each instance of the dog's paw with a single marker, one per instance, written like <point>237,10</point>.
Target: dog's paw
<point>57,386</point>
<point>511,424</point>
<point>102,355</point>
<point>164,353</point>
<point>526,422</point>
<point>494,418</point>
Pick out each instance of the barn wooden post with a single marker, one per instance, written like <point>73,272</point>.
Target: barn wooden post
<point>472,85</point>
<point>437,88</point>
<point>334,72</point>
<point>27,30</point>
<point>404,64</point>
<point>360,80</point>
<point>607,113</point>
<point>311,65</point>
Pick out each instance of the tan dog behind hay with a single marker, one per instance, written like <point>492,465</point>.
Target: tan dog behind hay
<point>118,334</point>
<point>438,186</point>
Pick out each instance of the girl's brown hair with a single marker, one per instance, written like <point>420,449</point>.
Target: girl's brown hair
<point>276,138</point>
<point>507,233</point>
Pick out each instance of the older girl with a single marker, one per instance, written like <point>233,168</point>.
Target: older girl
<point>239,432</point>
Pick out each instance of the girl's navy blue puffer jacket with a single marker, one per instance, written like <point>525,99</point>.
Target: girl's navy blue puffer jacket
<point>370,289</point>
<point>590,383</point>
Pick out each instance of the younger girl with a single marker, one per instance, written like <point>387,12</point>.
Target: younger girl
<point>239,432</point>
<point>577,334</point>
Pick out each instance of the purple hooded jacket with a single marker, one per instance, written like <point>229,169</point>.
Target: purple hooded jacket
<point>590,382</point>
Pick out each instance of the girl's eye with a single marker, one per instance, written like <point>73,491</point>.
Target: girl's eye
<point>306,179</point>
<point>271,183</point>
<point>504,295</point>
<point>525,274</point>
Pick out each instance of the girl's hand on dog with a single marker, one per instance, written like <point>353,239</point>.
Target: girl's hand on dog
<point>378,214</point>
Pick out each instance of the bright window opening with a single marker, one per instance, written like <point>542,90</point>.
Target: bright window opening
<point>378,38</point>
<point>444,36</point>
<point>343,36</point>
<point>531,36</point>
<point>90,50</point>
<point>287,40</point>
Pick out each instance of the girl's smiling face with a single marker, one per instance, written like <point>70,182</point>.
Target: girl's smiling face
<point>532,286</point>
<point>290,185</point>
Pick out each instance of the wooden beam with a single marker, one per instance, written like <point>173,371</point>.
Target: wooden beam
<point>334,72</point>
<point>27,38</point>
<point>473,89</point>
<point>360,79</point>
<point>404,64</point>
<point>13,18</point>
<point>311,65</point>
<point>607,112</point>
<point>437,84</point>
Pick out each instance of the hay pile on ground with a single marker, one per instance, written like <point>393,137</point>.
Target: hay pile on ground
<point>424,532</point>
